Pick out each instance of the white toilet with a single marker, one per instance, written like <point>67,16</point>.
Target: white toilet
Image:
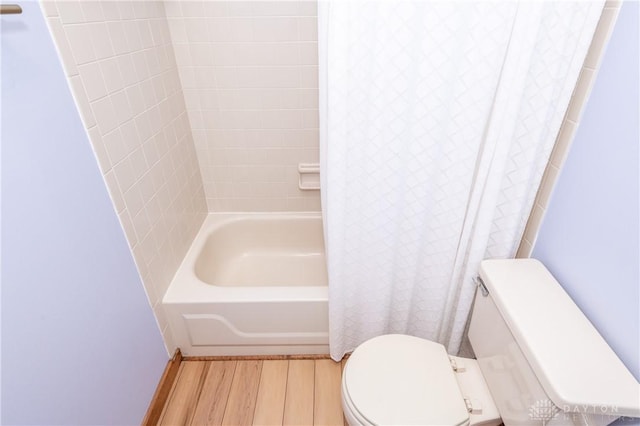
<point>540,362</point>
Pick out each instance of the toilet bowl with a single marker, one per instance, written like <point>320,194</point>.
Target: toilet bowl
<point>403,380</point>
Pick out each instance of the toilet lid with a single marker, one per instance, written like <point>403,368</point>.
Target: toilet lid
<point>397,379</point>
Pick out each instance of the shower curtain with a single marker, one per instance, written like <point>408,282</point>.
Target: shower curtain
<point>436,122</point>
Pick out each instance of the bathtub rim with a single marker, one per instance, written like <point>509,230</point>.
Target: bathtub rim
<point>186,287</point>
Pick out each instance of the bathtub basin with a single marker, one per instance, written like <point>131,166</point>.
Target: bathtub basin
<point>252,284</point>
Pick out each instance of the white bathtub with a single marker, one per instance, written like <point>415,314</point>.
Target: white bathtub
<point>252,284</point>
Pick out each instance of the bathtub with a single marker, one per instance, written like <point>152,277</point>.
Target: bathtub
<point>252,284</point>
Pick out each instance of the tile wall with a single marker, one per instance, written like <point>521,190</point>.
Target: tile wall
<point>120,63</point>
<point>249,71</point>
<point>569,125</point>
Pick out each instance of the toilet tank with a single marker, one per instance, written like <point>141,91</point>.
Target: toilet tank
<point>542,359</point>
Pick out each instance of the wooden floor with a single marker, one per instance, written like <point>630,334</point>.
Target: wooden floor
<point>258,392</point>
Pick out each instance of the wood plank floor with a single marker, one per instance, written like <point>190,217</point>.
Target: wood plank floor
<point>256,392</point>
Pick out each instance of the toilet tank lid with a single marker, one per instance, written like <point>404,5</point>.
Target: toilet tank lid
<point>575,366</point>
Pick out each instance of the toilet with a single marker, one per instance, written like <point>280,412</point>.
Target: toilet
<point>539,362</point>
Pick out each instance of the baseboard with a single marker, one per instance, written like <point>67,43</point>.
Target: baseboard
<point>161,394</point>
<point>253,357</point>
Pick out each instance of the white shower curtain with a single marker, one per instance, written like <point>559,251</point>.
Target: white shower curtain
<point>436,122</point>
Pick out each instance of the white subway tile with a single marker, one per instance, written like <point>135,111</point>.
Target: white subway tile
<point>239,8</point>
<point>275,29</point>
<point>308,77</point>
<point>150,151</point>
<point>220,30</point>
<point>288,53</point>
<point>144,127</point>
<point>92,11</point>
<point>92,80</point>
<point>275,8</point>
<point>144,10</point>
<point>145,34</point>
<point>140,66</point>
<point>125,9</point>
<point>105,115</point>
<point>124,174</point>
<point>294,138</point>
<point>148,94</point>
<point>225,54</point>
<point>111,74</point>
<point>127,70</point>
<point>310,119</point>
<point>309,53</point>
<point>138,163</point>
<point>226,77</point>
<point>197,30</point>
<point>70,12</point>
<point>134,95</point>
<point>122,107</point>
<point>132,35</point>
<point>297,204</point>
<point>178,31</point>
<point>148,191</point>
<point>239,29</point>
<point>115,146</point>
<point>192,8</point>
<point>110,10</point>
<point>172,8</point>
<point>101,40</point>
<point>307,29</point>
<point>204,77</point>
<point>215,8</point>
<point>142,226</point>
<point>153,62</point>
<point>129,134</point>
<point>79,38</point>
<point>307,8</point>
<point>205,54</point>
<point>308,98</point>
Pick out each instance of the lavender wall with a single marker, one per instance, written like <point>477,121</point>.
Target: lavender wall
<point>590,235</point>
<point>79,341</point>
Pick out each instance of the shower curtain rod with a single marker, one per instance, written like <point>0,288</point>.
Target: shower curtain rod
<point>10,9</point>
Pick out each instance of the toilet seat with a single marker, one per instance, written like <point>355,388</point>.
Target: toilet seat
<point>399,379</point>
